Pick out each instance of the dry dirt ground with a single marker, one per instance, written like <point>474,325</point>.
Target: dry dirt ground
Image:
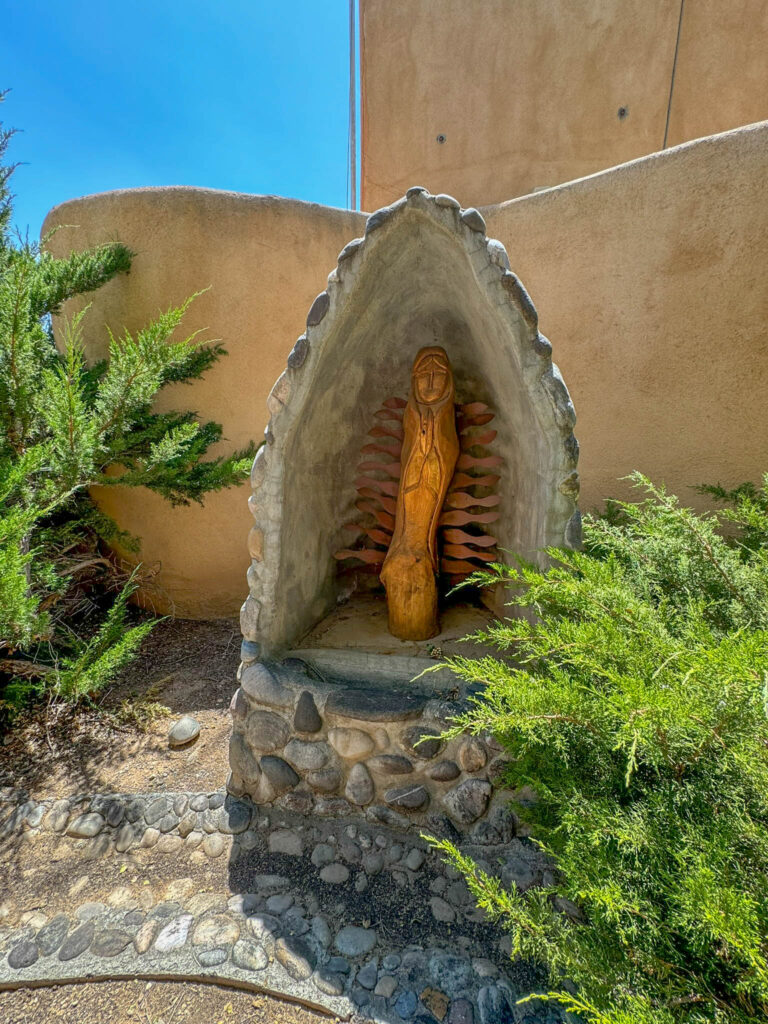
<point>143,1002</point>
<point>187,667</point>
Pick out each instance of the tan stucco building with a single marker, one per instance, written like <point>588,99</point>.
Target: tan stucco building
<point>647,264</point>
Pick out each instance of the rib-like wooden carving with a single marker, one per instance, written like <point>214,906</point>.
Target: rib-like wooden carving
<point>470,505</point>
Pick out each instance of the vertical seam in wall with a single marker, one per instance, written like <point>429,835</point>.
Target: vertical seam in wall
<point>672,78</point>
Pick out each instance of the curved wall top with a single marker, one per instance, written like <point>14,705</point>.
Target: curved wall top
<point>424,273</point>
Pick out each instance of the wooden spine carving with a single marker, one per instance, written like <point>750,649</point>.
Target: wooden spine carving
<point>467,510</point>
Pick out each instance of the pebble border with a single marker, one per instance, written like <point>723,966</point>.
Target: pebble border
<point>277,937</point>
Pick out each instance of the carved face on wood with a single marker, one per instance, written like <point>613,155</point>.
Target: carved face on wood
<point>431,378</point>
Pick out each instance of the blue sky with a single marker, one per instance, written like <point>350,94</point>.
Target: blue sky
<point>247,95</point>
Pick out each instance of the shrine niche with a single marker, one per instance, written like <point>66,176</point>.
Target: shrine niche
<point>423,454</point>
<point>419,431</point>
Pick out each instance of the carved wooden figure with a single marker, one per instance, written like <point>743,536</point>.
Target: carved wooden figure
<point>428,459</point>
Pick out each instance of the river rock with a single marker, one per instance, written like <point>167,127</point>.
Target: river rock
<point>184,731</point>
<point>306,717</point>
<point>468,801</point>
<point>359,789</point>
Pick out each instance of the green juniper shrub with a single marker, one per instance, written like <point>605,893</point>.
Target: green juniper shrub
<point>634,702</point>
<point>66,425</point>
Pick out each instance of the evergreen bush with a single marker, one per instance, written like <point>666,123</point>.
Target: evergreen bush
<point>65,426</point>
<point>634,703</point>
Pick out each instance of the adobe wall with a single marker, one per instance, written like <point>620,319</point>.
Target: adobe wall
<point>650,281</point>
<point>265,259</point>
<point>527,92</point>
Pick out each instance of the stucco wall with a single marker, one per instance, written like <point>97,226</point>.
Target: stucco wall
<point>650,281</point>
<point>264,259</point>
<point>527,92</point>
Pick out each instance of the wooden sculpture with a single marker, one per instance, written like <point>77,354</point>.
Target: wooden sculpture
<point>469,506</point>
<point>428,460</point>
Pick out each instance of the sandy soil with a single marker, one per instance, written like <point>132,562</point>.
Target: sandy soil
<point>189,668</point>
<point>142,1002</point>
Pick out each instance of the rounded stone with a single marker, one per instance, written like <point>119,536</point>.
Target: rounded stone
<point>373,863</point>
<point>77,941</point>
<point>217,930</point>
<point>211,957</point>
<point>238,706</point>
<point>421,743</point>
<point>307,718</point>
<point>318,309</point>
<point>58,816</point>
<point>157,808</point>
<point>405,1004</point>
<point>412,798</point>
<point>265,731</point>
<point>493,1006</point>
<point>249,956</point>
<point>368,973</point>
<point>322,854</point>
<point>441,910</point>
<point>86,826</point>
<point>145,936</point>
<point>322,933</point>
<point>279,773</point>
<point>174,935</point>
<point>353,941</point>
<point>110,942</point>
<point>385,986</point>
<point>474,219</point>
<point>359,789</point>
<point>242,761</point>
<point>213,846</point>
<point>390,764</point>
<point>23,954</point>
<point>307,755</point>
<point>91,909</point>
<point>335,874</point>
<point>444,771</point>
<point>460,1012</point>
<point>415,859</point>
<point>375,704</point>
<point>284,840</point>
<point>52,934</point>
<point>468,801</point>
<point>472,755</point>
<point>443,199</point>
<point>351,742</point>
<point>298,353</point>
<point>377,218</point>
<point>279,903</point>
<point>183,732</point>
<point>327,982</point>
<point>327,780</point>
<point>295,956</point>
<point>261,686</point>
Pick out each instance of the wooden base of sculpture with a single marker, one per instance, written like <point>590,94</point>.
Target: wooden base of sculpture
<point>411,597</point>
<point>428,460</point>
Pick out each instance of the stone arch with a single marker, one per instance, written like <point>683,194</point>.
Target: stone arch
<point>424,271</point>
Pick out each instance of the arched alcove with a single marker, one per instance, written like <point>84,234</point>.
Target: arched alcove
<point>424,273</point>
